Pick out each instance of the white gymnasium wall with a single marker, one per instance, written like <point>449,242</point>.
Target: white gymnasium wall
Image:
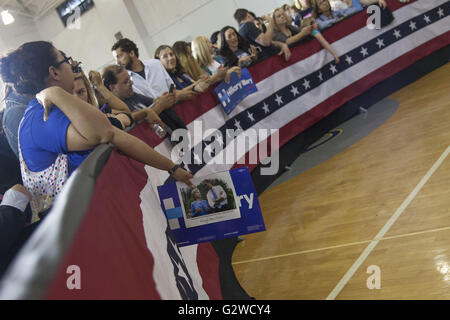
<point>21,31</point>
<point>91,43</point>
<point>149,23</point>
<point>13,35</point>
<point>168,21</point>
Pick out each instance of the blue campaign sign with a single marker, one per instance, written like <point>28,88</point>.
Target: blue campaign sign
<point>223,205</point>
<point>231,94</point>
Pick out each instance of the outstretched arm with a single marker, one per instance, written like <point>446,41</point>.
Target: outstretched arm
<point>306,31</point>
<point>265,39</point>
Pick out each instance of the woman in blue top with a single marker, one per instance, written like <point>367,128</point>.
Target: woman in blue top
<point>326,17</point>
<point>59,130</point>
<point>199,207</point>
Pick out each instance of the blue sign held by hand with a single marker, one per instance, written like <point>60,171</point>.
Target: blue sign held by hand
<point>231,94</point>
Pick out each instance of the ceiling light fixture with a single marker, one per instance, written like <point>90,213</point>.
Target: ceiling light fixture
<point>7,17</point>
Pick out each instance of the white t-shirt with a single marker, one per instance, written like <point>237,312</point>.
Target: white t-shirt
<point>213,67</point>
<point>337,5</point>
<point>219,193</point>
<point>157,81</point>
<point>16,199</point>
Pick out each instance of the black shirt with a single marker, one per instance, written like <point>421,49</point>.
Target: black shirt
<point>142,73</point>
<point>138,102</point>
<point>249,31</point>
<point>168,116</point>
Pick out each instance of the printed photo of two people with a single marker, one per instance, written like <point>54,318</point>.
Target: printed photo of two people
<point>213,200</point>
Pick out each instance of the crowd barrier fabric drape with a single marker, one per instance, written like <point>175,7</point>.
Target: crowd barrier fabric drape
<point>122,247</point>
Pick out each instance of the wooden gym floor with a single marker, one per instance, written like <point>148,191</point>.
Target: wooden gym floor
<point>383,202</point>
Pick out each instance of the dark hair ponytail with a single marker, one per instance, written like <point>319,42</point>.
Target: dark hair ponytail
<point>26,68</point>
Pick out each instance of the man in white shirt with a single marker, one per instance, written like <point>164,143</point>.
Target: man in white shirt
<point>217,197</point>
<point>149,77</point>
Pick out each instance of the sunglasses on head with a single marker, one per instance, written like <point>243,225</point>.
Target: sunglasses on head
<point>77,68</point>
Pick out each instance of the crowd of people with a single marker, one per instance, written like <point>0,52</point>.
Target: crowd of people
<point>55,114</point>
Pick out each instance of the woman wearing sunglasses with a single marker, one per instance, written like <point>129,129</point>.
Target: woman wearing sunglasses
<point>59,130</point>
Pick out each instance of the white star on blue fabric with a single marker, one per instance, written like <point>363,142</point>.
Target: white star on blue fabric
<point>349,60</point>
<point>208,149</point>
<point>279,100</point>
<point>320,76</point>
<point>294,91</point>
<point>266,108</point>
<point>364,52</point>
<point>397,34</point>
<point>306,84</point>
<point>412,25</point>
<point>427,19</point>
<point>380,43</point>
<point>237,124</point>
<point>197,159</point>
<point>441,12</point>
<point>250,116</point>
<point>219,139</point>
<point>333,68</point>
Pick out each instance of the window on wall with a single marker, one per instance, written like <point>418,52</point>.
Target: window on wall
<point>73,9</point>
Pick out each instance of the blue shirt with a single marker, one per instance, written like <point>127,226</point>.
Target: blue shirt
<point>302,14</point>
<point>41,142</point>
<point>307,13</point>
<point>357,5</point>
<point>325,22</point>
<point>195,205</point>
<point>180,85</point>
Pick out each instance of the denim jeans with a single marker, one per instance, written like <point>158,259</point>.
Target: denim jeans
<point>15,108</point>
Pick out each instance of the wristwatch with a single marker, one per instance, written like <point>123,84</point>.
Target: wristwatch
<point>175,168</point>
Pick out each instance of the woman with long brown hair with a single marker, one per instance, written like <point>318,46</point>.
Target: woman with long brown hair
<point>236,50</point>
<point>181,79</point>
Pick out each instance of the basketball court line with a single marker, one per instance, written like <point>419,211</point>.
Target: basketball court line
<point>340,246</point>
<point>341,284</point>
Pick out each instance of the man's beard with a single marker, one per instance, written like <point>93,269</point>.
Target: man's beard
<point>129,65</point>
